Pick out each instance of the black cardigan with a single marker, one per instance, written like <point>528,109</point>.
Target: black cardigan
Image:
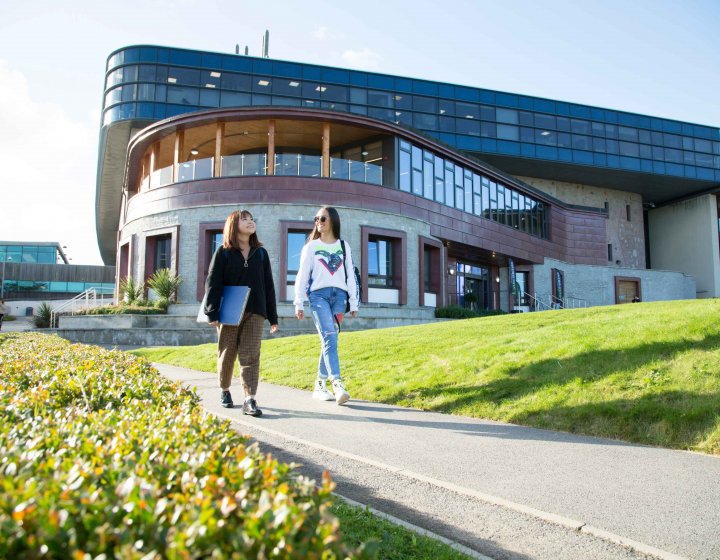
<point>228,268</point>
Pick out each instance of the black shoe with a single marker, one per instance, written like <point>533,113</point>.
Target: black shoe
<point>226,399</point>
<point>250,408</point>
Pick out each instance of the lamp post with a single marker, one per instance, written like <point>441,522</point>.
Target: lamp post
<point>2,285</point>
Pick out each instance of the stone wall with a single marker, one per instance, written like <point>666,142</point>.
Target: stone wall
<point>626,236</point>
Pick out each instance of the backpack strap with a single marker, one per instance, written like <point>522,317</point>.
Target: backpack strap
<point>342,246</point>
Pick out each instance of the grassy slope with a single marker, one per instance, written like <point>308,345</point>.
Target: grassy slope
<point>646,372</point>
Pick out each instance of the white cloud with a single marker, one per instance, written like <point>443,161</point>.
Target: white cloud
<point>321,33</point>
<point>365,58</point>
<point>48,163</point>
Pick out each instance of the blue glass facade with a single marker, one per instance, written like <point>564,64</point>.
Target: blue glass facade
<point>36,254</point>
<point>154,83</point>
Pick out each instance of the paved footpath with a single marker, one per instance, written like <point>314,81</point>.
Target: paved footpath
<point>502,490</point>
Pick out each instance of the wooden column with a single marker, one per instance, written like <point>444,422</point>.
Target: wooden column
<point>179,139</point>
<point>153,160</point>
<point>325,171</point>
<point>271,149</point>
<point>219,134</point>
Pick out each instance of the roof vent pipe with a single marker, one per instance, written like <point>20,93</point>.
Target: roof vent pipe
<point>266,44</point>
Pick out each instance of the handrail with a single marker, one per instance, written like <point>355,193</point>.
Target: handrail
<point>576,302</point>
<point>84,295</point>
<point>536,302</point>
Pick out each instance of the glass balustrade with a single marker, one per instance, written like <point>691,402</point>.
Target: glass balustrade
<point>288,165</point>
<point>196,169</point>
<point>355,171</point>
<point>243,165</point>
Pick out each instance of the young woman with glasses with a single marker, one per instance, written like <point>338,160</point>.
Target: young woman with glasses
<point>326,278</point>
<point>241,261</point>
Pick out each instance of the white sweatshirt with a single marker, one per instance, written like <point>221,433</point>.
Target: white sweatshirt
<point>323,266</point>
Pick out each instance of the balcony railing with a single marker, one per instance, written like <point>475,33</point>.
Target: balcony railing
<point>287,165</point>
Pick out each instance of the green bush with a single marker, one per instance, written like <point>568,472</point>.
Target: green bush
<point>41,318</point>
<point>131,290</point>
<point>103,458</point>
<point>154,308</point>
<point>458,312</point>
<point>165,284</point>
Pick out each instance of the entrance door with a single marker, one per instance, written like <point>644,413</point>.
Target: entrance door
<point>627,290</point>
<point>473,287</point>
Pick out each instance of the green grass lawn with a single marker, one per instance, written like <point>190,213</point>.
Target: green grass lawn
<point>646,372</point>
<point>392,542</point>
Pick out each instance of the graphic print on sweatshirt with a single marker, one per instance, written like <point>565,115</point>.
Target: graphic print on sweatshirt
<point>331,261</point>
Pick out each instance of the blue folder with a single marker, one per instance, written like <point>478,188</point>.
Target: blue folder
<point>232,306</point>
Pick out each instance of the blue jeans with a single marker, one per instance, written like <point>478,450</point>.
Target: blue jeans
<point>324,304</point>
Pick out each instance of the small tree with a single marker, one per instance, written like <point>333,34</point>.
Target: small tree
<point>165,284</point>
<point>131,290</point>
<point>41,318</point>
<point>470,299</point>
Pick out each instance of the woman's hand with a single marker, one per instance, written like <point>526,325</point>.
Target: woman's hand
<point>300,314</point>
<point>214,324</point>
<point>273,329</point>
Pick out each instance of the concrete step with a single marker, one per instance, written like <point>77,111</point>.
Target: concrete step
<point>183,330</point>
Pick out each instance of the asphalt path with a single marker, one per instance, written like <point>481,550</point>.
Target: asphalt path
<point>502,490</point>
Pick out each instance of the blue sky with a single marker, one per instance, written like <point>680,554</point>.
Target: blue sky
<point>658,58</point>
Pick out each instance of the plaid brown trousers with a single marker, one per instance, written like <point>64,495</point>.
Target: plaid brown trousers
<point>244,342</point>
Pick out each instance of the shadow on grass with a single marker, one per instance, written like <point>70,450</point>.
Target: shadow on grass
<point>679,419</point>
<point>586,367</point>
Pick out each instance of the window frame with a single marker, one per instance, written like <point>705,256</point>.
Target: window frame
<point>286,226</point>
<point>399,248</point>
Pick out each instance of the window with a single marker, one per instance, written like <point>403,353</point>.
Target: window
<point>405,171</point>
<point>162,252</point>
<point>380,262</point>
<point>627,211</point>
<point>216,241</point>
<point>431,272</point>
<point>610,252</point>
<point>295,243</point>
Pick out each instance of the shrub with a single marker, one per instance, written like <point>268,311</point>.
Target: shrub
<point>131,290</point>
<point>103,458</point>
<point>41,318</point>
<point>165,284</point>
<point>123,309</point>
<point>458,312</point>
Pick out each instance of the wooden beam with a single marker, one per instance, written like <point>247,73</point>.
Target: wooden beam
<point>153,160</point>
<point>179,139</point>
<point>219,134</point>
<point>271,149</point>
<point>325,171</point>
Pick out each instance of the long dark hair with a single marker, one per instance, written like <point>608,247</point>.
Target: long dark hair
<point>230,231</point>
<point>334,222</point>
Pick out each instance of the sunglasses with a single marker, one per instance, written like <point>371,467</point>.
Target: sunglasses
<point>322,219</point>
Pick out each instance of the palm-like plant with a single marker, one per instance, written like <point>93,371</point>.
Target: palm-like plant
<point>165,284</point>
<point>131,290</point>
<point>41,318</point>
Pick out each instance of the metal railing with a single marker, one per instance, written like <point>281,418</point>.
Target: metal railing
<point>84,300</point>
<point>543,303</point>
<point>536,303</point>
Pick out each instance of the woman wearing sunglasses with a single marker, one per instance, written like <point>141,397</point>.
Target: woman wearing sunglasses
<point>326,278</point>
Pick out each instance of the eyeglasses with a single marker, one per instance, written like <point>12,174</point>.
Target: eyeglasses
<point>322,219</point>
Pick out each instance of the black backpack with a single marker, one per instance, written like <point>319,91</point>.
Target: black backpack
<point>357,278</point>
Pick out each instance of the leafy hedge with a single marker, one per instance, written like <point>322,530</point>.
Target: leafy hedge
<point>458,312</point>
<point>152,308</point>
<point>103,458</point>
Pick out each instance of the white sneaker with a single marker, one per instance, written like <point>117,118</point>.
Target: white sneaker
<point>341,394</point>
<point>321,391</point>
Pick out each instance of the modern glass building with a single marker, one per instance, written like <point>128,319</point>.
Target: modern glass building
<point>449,190</point>
<point>41,271</point>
